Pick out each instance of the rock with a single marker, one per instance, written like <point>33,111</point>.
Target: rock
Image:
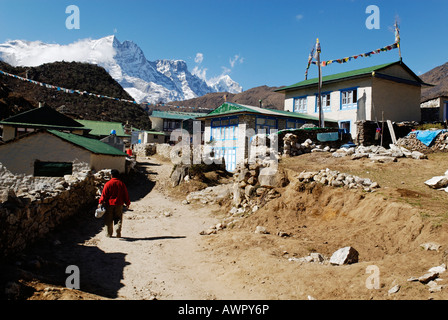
<point>431,246</point>
<point>428,277</point>
<point>437,182</point>
<point>382,159</point>
<point>249,190</point>
<point>207,232</point>
<point>268,179</point>
<point>418,155</point>
<point>394,289</point>
<point>343,256</point>
<point>282,234</point>
<point>434,287</point>
<point>261,230</point>
<point>440,269</point>
<point>317,257</point>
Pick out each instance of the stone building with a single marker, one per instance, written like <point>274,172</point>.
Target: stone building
<point>228,129</point>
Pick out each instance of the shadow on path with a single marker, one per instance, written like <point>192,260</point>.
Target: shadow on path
<point>151,238</point>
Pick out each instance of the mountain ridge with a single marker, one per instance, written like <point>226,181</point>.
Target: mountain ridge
<point>17,96</point>
<point>146,81</point>
<point>438,77</point>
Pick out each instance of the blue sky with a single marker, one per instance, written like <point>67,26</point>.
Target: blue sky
<point>257,42</point>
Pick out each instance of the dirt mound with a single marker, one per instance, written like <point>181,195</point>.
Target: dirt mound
<point>335,218</point>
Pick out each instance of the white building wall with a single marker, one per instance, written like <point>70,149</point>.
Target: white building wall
<point>364,98</point>
<point>19,156</point>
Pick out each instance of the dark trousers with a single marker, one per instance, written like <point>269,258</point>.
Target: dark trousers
<point>113,215</point>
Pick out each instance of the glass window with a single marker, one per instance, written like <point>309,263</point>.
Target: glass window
<point>300,105</point>
<point>349,98</point>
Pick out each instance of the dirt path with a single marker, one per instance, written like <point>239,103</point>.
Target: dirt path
<point>163,258</point>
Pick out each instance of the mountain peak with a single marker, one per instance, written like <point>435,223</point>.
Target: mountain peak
<point>146,81</point>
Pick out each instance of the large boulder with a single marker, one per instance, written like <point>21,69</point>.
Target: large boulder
<point>437,182</point>
<point>345,255</point>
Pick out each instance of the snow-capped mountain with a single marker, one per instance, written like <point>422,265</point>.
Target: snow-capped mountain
<point>146,81</point>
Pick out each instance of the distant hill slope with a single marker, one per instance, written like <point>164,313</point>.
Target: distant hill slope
<point>18,96</point>
<point>270,99</point>
<point>439,77</point>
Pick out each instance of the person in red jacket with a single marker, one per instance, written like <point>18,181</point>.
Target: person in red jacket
<point>114,196</point>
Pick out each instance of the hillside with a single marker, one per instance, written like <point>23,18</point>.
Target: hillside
<point>438,77</point>
<point>270,99</point>
<point>18,96</point>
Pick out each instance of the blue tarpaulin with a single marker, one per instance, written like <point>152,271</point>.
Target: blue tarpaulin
<point>427,136</point>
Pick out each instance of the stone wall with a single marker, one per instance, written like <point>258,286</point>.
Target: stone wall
<point>302,135</point>
<point>366,132</point>
<point>31,207</point>
<point>150,149</point>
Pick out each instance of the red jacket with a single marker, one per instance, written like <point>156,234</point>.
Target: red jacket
<point>115,193</point>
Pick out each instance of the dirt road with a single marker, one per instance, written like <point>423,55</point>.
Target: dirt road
<point>160,249</point>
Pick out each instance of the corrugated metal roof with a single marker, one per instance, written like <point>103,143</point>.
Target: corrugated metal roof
<point>340,76</point>
<point>92,145</point>
<point>175,115</point>
<point>228,108</point>
<point>44,117</point>
<point>103,128</point>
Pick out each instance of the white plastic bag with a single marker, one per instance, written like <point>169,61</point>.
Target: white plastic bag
<point>100,212</point>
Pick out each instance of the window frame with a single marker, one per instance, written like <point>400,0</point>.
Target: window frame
<point>227,131</point>
<point>325,108</point>
<point>353,104</point>
<point>265,126</point>
<point>304,106</point>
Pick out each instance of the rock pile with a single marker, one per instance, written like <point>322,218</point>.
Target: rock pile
<point>378,153</point>
<point>430,278</point>
<point>292,147</point>
<point>335,178</point>
<point>410,142</point>
<point>144,149</point>
<point>210,195</point>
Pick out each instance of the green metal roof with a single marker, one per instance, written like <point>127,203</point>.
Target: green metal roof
<point>228,108</point>
<point>175,115</point>
<point>103,128</point>
<point>43,117</point>
<point>92,145</point>
<point>345,75</point>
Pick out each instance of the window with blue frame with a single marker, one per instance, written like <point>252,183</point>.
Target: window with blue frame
<point>265,123</point>
<point>349,98</point>
<point>326,102</point>
<point>300,104</point>
<point>225,128</point>
<point>294,123</point>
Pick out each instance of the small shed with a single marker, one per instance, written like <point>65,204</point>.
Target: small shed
<point>56,153</point>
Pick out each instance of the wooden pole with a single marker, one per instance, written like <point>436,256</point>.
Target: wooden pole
<point>319,97</point>
<point>382,127</point>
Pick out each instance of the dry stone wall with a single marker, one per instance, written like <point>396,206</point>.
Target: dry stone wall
<point>31,207</point>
